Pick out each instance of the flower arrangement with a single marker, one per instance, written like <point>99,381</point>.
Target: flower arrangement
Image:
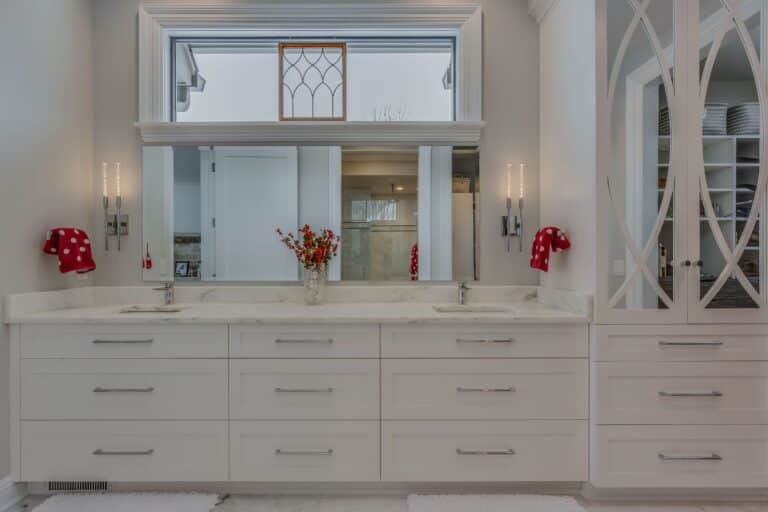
<point>313,250</point>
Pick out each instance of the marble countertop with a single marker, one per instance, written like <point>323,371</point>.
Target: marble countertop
<point>283,304</point>
<point>331,313</point>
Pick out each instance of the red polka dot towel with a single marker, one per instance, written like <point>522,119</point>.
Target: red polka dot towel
<point>550,238</point>
<point>73,247</point>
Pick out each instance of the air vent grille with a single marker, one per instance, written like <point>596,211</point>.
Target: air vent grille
<point>77,486</point>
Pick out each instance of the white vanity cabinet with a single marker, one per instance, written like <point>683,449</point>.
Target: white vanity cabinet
<point>484,403</point>
<point>679,361</point>
<point>365,402</point>
<point>129,403</point>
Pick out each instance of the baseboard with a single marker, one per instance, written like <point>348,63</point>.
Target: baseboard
<point>645,495</point>
<point>340,488</point>
<point>11,494</point>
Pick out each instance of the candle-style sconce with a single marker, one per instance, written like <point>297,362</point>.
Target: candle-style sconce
<point>513,226</point>
<point>115,224</point>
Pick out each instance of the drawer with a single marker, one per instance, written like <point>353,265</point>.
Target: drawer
<point>681,393</point>
<point>116,341</point>
<point>319,389</point>
<point>468,341</point>
<point>497,451</point>
<point>675,456</point>
<point>681,343</point>
<point>134,451</point>
<point>434,389</point>
<point>304,341</point>
<point>128,389</point>
<point>306,451</point>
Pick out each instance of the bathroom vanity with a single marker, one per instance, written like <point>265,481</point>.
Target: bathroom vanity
<point>396,391</point>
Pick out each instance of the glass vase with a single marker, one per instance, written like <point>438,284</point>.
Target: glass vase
<point>315,281</point>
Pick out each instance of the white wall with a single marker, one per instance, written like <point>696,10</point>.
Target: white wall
<point>511,90</point>
<point>46,134</point>
<point>568,131</point>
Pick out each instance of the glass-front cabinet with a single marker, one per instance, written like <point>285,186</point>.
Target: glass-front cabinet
<point>681,107</point>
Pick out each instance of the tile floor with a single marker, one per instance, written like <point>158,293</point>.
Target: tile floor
<point>341,504</point>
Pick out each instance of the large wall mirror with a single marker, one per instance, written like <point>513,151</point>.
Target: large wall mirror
<point>404,213</point>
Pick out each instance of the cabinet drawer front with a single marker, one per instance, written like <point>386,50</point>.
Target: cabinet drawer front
<point>117,341</point>
<point>677,456</point>
<point>134,451</point>
<point>307,451</point>
<point>497,451</point>
<point>484,389</point>
<point>112,389</point>
<point>681,343</point>
<point>462,341</point>
<point>304,341</point>
<point>681,393</point>
<point>304,389</point>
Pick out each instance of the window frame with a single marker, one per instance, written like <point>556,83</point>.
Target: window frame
<point>330,39</point>
<point>160,22</point>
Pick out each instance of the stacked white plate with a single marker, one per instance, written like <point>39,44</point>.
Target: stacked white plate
<point>744,119</point>
<point>664,121</point>
<point>716,119</point>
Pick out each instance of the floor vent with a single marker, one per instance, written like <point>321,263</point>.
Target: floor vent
<point>77,486</point>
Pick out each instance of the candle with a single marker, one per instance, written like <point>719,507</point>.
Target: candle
<point>117,179</point>
<point>104,191</point>
<point>509,181</point>
<point>522,180</point>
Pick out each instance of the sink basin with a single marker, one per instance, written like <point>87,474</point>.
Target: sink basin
<point>468,308</point>
<point>151,309</point>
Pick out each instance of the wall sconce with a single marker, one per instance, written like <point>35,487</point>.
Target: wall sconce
<point>513,226</point>
<point>112,220</point>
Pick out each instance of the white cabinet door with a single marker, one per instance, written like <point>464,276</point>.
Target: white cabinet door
<point>641,164</point>
<point>439,389</point>
<point>480,451</point>
<point>114,389</point>
<point>680,456</point>
<point>726,164</point>
<point>305,389</point>
<point>124,451</point>
<point>681,393</point>
<point>306,451</point>
<point>304,341</point>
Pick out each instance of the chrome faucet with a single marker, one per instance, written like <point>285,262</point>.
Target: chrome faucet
<point>463,288</point>
<point>170,296</point>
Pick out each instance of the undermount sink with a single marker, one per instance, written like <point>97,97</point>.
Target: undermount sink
<point>467,308</point>
<point>151,309</point>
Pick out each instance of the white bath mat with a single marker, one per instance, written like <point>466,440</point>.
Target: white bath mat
<point>129,502</point>
<point>492,503</point>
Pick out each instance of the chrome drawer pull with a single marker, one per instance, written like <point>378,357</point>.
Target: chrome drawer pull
<point>326,453</point>
<point>303,390</point>
<point>283,340</point>
<point>99,389</point>
<point>715,343</point>
<point>501,340</point>
<point>121,452</point>
<point>713,456</point>
<point>485,452</point>
<point>510,389</point>
<point>122,342</point>
<point>706,394</point>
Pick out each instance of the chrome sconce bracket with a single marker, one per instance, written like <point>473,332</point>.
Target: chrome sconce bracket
<point>512,226</point>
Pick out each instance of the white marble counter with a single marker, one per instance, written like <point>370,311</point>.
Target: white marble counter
<point>347,304</point>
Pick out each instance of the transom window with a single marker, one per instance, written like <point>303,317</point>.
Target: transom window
<point>349,79</point>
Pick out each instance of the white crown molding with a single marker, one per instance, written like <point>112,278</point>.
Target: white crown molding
<point>539,8</point>
<point>313,133</point>
<point>246,14</point>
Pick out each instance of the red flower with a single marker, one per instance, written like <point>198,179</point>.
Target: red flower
<point>312,250</point>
